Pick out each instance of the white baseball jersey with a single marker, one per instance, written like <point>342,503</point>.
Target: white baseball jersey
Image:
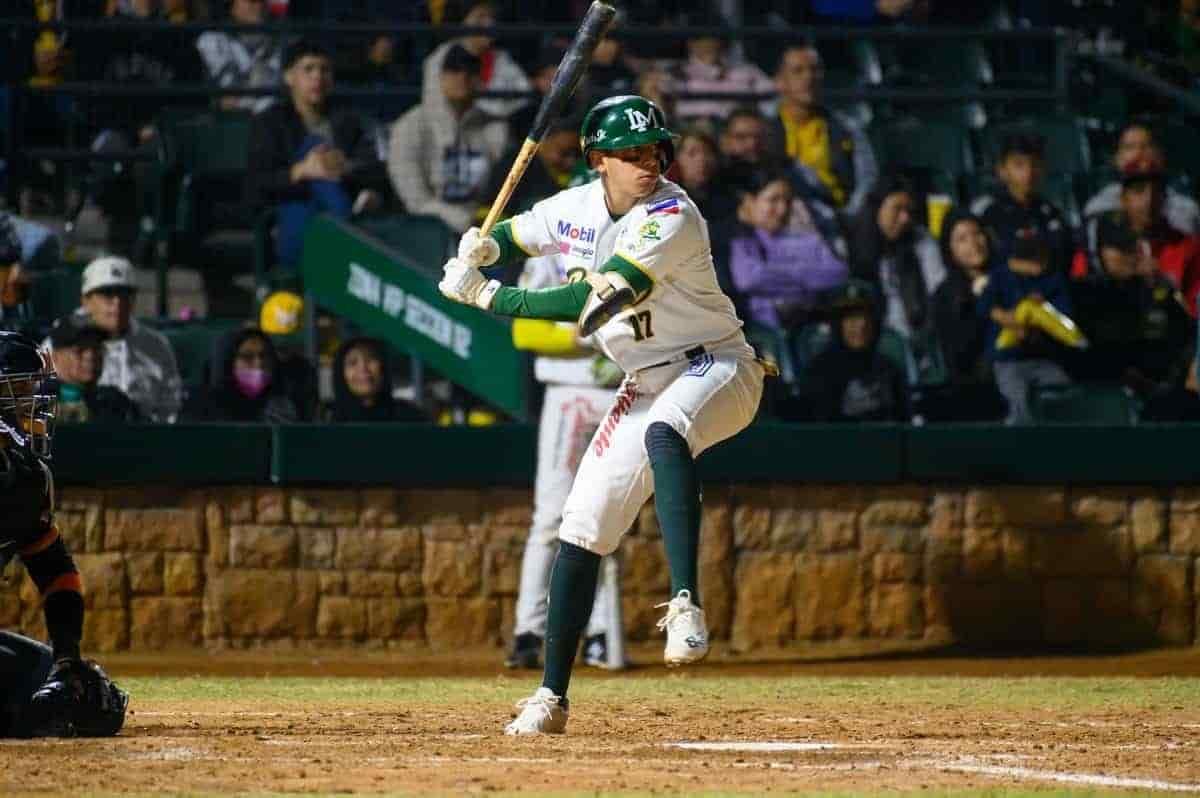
<point>706,395</point>
<point>665,236</point>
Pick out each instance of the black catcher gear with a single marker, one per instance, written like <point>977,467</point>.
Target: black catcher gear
<point>78,700</point>
<point>28,394</point>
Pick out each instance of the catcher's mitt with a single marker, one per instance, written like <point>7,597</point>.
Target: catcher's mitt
<point>77,700</point>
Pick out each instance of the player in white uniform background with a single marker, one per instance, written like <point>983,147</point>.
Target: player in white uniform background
<point>579,389</point>
<point>649,294</point>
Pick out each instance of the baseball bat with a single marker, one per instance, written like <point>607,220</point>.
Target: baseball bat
<point>570,71</point>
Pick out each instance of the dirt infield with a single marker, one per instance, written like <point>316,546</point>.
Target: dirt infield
<point>339,722</point>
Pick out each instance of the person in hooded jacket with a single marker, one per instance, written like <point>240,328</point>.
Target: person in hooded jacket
<point>362,386</point>
<point>891,252</point>
<point>247,386</point>
<point>960,328</point>
<point>852,381</point>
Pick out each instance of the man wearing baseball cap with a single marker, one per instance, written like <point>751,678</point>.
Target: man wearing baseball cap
<point>1143,212</point>
<point>138,360</point>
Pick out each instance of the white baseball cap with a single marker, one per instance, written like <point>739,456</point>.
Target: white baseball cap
<point>108,271</point>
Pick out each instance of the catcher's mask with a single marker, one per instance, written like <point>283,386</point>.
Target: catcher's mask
<point>28,393</point>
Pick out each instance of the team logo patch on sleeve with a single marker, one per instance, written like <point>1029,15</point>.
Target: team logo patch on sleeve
<point>649,231</point>
<point>670,205</point>
<point>699,365</point>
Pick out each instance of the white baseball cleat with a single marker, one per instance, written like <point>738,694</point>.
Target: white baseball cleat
<point>541,713</point>
<point>687,632</point>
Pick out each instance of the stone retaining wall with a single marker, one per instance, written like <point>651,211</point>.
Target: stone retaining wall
<point>169,568</point>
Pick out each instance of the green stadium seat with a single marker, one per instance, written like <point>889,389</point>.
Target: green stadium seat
<point>1111,405</point>
<point>1179,142</point>
<point>194,342</point>
<point>929,63</point>
<point>54,293</point>
<point>1067,147</point>
<point>912,142</point>
<point>425,241</point>
<point>203,213</point>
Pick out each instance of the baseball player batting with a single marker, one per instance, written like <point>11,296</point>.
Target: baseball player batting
<point>649,294</point>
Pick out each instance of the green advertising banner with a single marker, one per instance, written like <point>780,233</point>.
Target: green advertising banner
<point>362,279</point>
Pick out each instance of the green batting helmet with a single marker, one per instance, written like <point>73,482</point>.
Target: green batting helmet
<point>626,121</point>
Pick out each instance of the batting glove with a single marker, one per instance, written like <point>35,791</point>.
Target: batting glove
<point>477,251</point>
<point>465,284</point>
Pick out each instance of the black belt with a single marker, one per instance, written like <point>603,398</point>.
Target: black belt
<point>690,354</point>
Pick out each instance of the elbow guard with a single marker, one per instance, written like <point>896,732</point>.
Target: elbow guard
<point>611,293</point>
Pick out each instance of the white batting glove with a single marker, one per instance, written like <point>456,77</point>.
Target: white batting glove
<point>465,284</point>
<point>476,251</point>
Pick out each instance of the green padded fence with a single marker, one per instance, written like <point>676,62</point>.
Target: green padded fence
<point>413,455</point>
<point>393,296</point>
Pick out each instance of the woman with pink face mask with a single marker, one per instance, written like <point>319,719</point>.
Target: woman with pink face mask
<point>247,387</point>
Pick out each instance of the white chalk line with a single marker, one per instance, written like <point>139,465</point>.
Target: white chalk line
<point>1092,779</point>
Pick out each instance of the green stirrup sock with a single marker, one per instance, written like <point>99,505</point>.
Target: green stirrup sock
<point>677,502</point>
<point>572,591</point>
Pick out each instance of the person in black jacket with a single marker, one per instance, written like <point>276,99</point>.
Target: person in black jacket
<point>362,385</point>
<point>307,157</point>
<point>78,351</point>
<point>246,384</point>
<point>852,381</point>
<point>961,331</point>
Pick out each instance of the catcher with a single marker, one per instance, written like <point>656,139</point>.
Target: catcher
<point>43,690</point>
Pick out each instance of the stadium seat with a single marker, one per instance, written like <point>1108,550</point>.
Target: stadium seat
<point>1179,141</point>
<point>54,293</point>
<point>912,142</point>
<point>203,215</point>
<point>193,342</point>
<point>924,63</point>
<point>1083,404</point>
<point>425,241</point>
<point>1067,147</point>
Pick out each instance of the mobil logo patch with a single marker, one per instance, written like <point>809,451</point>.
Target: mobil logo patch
<point>573,232</point>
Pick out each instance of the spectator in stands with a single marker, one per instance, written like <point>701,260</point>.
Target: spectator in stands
<point>542,76</point>
<point>243,60</point>
<point>1163,248</point>
<point>138,360</point>
<point>144,59</point>
<point>79,362</point>
<point>852,381</point>
<point>495,68</point>
<point>245,384</point>
<point>1019,206</point>
<point>744,136</point>
<point>26,248</point>
<point>1138,331</point>
<point>708,69</point>
<point>308,156</point>
<point>609,74</point>
<point>960,328</point>
<point>697,162</point>
<point>780,273</point>
<point>1029,358</point>
<point>1136,143</point>
<point>830,146</point>
<point>280,318</point>
<point>186,10</point>
<point>890,251</point>
<point>443,150</point>
<point>362,386</point>
<point>869,12</point>
<point>548,173</point>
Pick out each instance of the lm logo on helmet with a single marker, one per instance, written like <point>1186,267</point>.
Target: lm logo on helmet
<point>638,122</point>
